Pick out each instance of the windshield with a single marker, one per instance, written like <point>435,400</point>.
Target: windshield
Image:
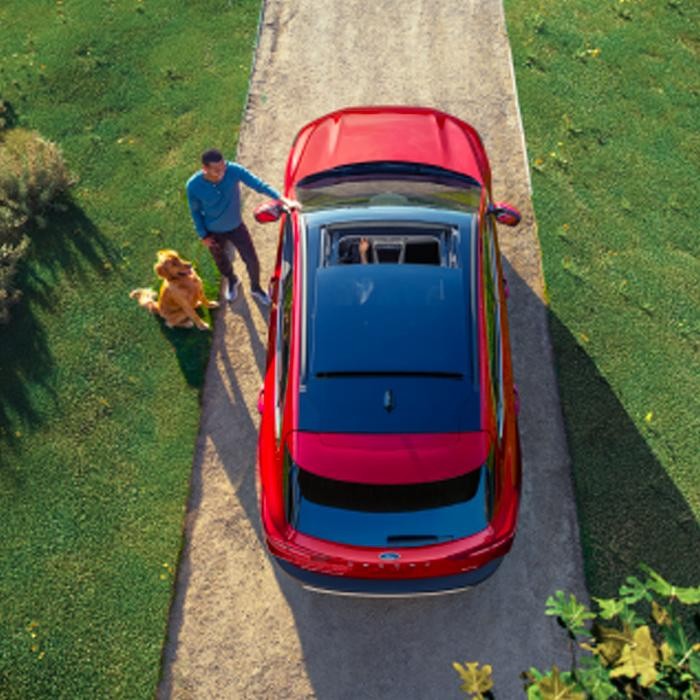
<point>378,515</point>
<point>388,184</point>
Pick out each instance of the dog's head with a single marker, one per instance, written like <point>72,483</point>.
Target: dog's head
<point>171,266</point>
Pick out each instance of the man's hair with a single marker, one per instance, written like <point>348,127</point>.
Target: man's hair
<point>213,155</point>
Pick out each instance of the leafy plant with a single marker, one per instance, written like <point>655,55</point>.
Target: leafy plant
<point>634,647</point>
<point>33,180</point>
<point>33,177</point>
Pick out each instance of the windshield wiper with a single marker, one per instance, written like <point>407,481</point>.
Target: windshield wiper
<point>412,539</point>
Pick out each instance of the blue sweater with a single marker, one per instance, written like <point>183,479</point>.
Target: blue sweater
<point>216,206</point>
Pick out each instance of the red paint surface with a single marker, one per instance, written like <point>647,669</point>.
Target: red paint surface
<point>404,134</point>
<point>389,459</point>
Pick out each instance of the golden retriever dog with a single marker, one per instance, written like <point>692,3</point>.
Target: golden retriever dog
<point>181,292</point>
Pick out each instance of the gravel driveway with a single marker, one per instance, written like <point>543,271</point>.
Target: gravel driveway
<point>238,627</point>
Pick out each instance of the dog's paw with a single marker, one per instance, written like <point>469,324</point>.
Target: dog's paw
<point>204,326</point>
<point>213,304</point>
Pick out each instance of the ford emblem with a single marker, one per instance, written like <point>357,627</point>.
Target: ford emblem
<point>389,556</point>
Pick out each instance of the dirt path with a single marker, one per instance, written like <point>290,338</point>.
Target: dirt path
<point>239,628</point>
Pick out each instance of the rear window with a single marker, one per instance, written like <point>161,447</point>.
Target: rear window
<point>388,184</point>
<point>380,515</point>
<point>398,244</point>
<point>387,498</point>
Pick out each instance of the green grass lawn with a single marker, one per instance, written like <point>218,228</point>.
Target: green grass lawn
<point>609,95</point>
<point>99,405</point>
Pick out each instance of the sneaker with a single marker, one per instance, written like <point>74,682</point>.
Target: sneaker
<point>262,296</point>
<point>231,292</point>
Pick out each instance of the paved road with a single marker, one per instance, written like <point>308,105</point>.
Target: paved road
<point>240,629</point>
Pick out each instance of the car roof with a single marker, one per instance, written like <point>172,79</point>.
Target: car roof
<point>405,329</point>
<point>372,319</point>
<point>392,133</point>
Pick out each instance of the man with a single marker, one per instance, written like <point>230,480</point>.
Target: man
<point>214,197</point>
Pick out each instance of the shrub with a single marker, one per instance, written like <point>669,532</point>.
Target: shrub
<point>33,180</point>
<point>33,176</point>
<point>635,647</point>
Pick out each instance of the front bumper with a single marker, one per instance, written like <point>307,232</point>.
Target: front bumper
<point>388,587</point>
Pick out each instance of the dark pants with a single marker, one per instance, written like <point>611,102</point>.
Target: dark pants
<point>241,240</point>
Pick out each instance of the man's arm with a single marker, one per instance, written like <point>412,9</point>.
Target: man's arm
<point>255,183</point>
<point>196,212</point>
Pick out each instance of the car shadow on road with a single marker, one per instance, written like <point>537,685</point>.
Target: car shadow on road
<point>400,648</point>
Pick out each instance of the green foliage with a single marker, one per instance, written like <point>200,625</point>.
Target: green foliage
<point>644,653</point>
<point>33,180</point>
<point>552,686</point>
<point>569,609</point>
<point>476,682</point>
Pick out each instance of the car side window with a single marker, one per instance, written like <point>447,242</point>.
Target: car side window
<point>493,321</point>
<point>284,322</point>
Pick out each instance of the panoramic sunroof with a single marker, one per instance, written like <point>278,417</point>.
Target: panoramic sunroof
<point>399,244</point>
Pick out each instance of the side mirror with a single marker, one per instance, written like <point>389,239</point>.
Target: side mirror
<point>261,400</point>
<point>505,213</point>
<point>268,212</point>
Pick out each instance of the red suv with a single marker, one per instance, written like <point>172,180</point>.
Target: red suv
<point>388,451</point>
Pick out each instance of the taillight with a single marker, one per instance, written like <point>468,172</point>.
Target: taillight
<point>312,561</point>
<point>486,552</point>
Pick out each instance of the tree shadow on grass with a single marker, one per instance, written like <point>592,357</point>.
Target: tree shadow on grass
<point>69,250</point>
<point>630,510</point>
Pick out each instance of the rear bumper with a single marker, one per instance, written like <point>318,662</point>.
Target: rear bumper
<point>373,587</point>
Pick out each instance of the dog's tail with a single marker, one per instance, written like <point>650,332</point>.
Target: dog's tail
<point>145,297</point>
